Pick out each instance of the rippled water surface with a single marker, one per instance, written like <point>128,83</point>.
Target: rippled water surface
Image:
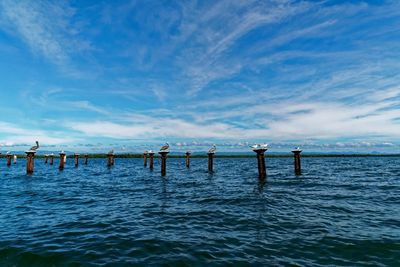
<point>341,211</point>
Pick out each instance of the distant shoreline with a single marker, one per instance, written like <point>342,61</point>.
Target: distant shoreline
<point>267,155</point>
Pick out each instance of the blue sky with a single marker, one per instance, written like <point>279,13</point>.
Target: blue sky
<point>90,75</point>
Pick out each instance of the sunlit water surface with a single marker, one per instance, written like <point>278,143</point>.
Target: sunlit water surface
<point>340,211</point>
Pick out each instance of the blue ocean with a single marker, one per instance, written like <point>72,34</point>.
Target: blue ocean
<point>342,211</point>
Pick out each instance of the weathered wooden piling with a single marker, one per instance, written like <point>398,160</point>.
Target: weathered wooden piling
<point>110,159</point>
<point>76,156</point>
<point>210,162</point>
<point>151,154</point>
<point>145,159</point>
<point>30,162</point>
<point>46,158</point>
<point>62,161</point>
<point>163,162</point>
<point>51,159</point>
<point>15,159</point>
<point>297,163</point>
<point>86,159</point>
<point>9,159</point>
<point>187,159</point>
<point>262,172</point>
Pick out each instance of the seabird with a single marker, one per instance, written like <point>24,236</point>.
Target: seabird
<point>264,146</point>
<point>164,147</point>
<point>111,151</point>
<point>255,146</point>
<point>34,148</point>
<point>259,146</point>
<point>212,149</point>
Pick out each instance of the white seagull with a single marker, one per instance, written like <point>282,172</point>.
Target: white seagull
<point>264,146</point>
<point>259,146</point>
<point>164,147</point>
<point>34,148</point>
<point>111,151</point>
<point>255,146</point>
<point>212,149</point>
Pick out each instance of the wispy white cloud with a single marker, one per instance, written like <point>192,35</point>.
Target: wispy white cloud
<point>46,27</point>
<point>13,135</point>
<point>219,29</point>
<point>285,121</point>
<point>61,100</point>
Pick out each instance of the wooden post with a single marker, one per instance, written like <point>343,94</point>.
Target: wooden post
<point>15,159</point>
<point>297,164</point>
<point>8,160</point>
<point>62,161</point>
<point>210,161</point>
<point>86,159</point>
<point>45,159</point>
<point>76,159</point>
<point>30,162</point>
<point>262,172</point>
<point>51,159</point>
<point>187,159</point>
<point>110,161</point>
<point>151,154</point>
<point>163,162</point>
<point>145,159</point>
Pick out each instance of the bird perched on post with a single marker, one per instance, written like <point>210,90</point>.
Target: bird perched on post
<point>264,146</point>
<point>259,146</point>
<point>255,146</point>
<point>212,149</point>
<point>164,147</point>
<point>111,152</point>
<point>34,148</point>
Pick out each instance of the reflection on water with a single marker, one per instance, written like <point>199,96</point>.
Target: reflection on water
<point>340,211</point>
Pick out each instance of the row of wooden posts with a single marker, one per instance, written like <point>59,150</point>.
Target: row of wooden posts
<point>163,156</point>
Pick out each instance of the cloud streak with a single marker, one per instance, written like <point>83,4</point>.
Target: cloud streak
<point>46,27</point>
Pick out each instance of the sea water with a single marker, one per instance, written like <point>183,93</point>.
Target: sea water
<point>340,211</point>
